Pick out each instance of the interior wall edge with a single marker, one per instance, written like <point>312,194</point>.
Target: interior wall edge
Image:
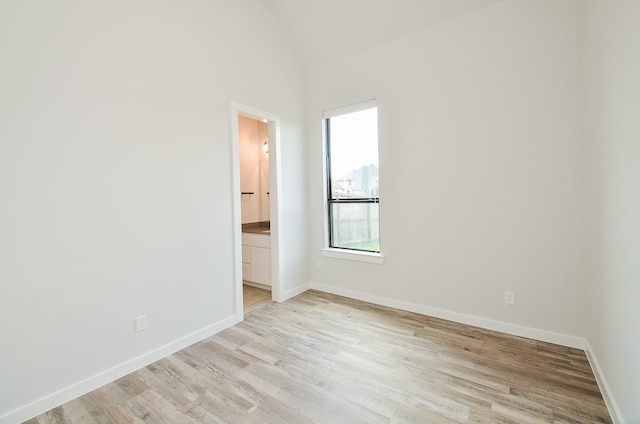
<point>607,395</point>
<point>488,324</point>
<point>80,388</point>
<point>294,292</point>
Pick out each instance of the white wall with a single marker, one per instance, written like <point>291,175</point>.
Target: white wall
<point>115,181</point>
<point>481,169</point>
<point>612,64</point>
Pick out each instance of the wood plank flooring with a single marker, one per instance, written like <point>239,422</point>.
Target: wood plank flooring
<point>320,358</point>
<point>254,298</point>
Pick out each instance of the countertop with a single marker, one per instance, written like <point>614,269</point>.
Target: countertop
<point>257,228</point>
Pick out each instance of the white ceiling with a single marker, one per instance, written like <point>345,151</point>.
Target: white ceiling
<point>323,31</point>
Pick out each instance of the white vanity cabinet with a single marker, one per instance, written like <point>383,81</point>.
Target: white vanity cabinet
<point>256,258</point>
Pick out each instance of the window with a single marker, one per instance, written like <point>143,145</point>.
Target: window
<point>352,178</point>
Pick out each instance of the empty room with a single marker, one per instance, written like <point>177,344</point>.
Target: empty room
<point>435,218</point>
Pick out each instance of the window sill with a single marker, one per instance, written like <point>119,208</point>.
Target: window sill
<point>374,258</point>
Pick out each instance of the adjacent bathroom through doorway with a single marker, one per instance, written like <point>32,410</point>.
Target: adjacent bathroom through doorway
<point>253,139</point>
<point>257,204</point>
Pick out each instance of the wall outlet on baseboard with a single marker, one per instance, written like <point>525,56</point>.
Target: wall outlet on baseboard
<point>141,323</point>
<point>509,297</point>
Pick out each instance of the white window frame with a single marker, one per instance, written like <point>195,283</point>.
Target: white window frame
<point>336,252</point>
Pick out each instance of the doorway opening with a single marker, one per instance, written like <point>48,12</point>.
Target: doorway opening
<point>256,204</point>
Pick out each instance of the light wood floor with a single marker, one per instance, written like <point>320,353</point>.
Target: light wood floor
<point>320,358</point>
<point>254,298</point>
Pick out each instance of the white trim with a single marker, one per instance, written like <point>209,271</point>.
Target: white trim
<point>354,107</point>
<point>277,257</point>
<point>266,287</point>
<point>80,388</point>
<point>295,291</point>
<point>332,252</point>
<point>504,327</point>
<point>371,257</point>
<point>325,186</point>
<point>275,204</point>
<point>609,400</point>
<point>236,211</point>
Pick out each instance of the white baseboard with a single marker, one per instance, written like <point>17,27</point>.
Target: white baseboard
<point>612,406</point>
<point>256,285</point>
<point>48,402</point>
<point>504,327</point>
<point>294,292</point>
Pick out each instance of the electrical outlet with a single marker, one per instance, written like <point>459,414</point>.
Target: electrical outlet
<point>141,323</point>
<point>319,265</point>
<point>509,297</point>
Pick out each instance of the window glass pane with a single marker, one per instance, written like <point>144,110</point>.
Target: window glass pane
<point>353,150</point>
<point>355,226</point>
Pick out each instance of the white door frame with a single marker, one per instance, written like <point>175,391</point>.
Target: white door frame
<point>275,201</point>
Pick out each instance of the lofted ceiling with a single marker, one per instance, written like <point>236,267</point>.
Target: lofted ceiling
<point>323,31</point>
